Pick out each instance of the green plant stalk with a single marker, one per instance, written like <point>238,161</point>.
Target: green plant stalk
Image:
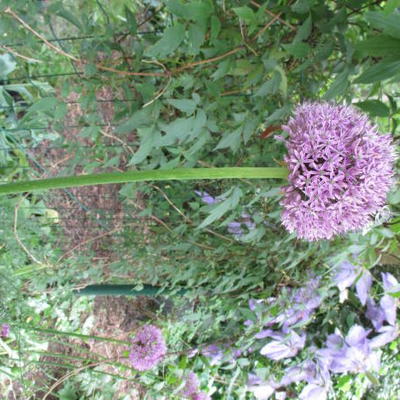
<point>141,176</point>
<point>124,290</point>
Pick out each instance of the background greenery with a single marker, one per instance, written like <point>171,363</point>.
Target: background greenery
<point>90,86</point>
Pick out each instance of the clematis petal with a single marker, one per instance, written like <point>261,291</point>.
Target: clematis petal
<point>388,305</point>
<point>313,392</point>
<point>363,286</point>
<point>387,335</point>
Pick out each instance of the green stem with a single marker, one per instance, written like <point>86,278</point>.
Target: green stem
<point>123,290</point>
<point>140,176</point>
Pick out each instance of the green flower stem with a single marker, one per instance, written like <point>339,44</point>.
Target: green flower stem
<point>140,176</point>
<point>124,290</point>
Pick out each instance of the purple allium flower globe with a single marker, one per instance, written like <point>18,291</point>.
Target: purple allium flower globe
<point>341,170</point>
<point>148,348</point>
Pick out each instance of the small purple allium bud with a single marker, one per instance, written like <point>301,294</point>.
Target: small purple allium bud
<point>148,348</point>
<point>341,170</point>
<point>5,330</point>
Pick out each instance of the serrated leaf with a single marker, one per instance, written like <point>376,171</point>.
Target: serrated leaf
<point>301,6</point>
<point>7,65</point>
<point>222,208</point>
<point>271,86</point>
<point>131,20</point>
<point>187,106</point>
<point>379,72</point>
<point>304,31</point>
<point>298,49</point>
<point>140,118</point>
<point>196,37</point>
<point>215,28</point>
<point>338,86</point>
<point>374,108</point>
<point>379,46</point>
<point>231,140</point>
<point>246,13</point>
<point>389,24</point>
<point>172,38</point>
<point>200,10</point>
<point>177,8</point>
<point>149,139</point>
<point>45,104</point>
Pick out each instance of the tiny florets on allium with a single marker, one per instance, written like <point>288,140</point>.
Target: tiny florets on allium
<point>340,171</point>
<point>148,348</point>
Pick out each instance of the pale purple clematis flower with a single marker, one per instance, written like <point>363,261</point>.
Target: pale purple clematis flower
<point>375,314</point>
<point>261,389</point>
<point>347,274</point>
<point>306,371</point>
<point>285,347</point>
<point>388,302</point>
<point>234,228</point>
<point>314,392</point>
<point>390,283</point>
<point>352,354</point>
<point>214,353</point>
<point>387,334</point>
<point>389,307</point>
<point>363,285</point>
<point>206,198</point>
<point>280,395</point>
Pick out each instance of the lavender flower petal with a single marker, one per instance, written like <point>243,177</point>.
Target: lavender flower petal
<point>375,314</point>
<point>206,198</point>
<point>389,307</point>
<point>346,275</point>
<point>363,286</point>
<point>313,392</point>
<point>387,335</point>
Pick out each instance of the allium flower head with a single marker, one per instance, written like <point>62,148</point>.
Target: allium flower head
<point>148,348</point>
<point>341,170</point>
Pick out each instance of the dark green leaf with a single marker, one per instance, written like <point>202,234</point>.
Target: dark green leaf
<point>389,24</point>
<point>172,38</point>
<point>374,107</point>
<point>222,208</point>
<point>302,6</point>
<point>298,49</point>
<point>215,28</point>
<point>246,13</point>
<point>196,37</point>
<point>338,86</point>
<point>185,105</point>
<point>230,140</point>
<point>379,72</point>
<point>149,138</point>
<point>380,46</point>
<point>45,104</point>
<point>131,21</point>
<point>271,86</point>
<point>7,65</point>
<point>304,31</point>
<point>177,8</point>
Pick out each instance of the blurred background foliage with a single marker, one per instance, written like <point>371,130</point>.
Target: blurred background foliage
<point>91,86</point>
